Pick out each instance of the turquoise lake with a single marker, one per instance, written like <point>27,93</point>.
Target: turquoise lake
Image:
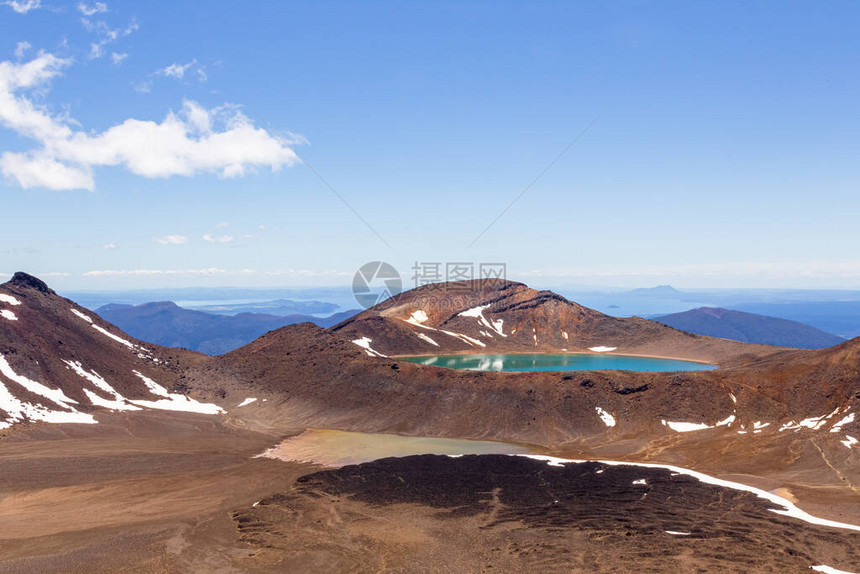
<point>564,362</point>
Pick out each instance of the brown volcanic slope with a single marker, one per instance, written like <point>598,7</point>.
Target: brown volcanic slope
<point>151,490</point>
<point>58,362</point>
<point>496,316</point>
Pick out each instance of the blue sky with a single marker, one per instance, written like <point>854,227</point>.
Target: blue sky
<point>138,145</point>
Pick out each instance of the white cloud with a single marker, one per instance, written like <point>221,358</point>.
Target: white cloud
<point>180,71</point>
<point>109,246</point>
<point>96,8</point>
<point>40,170</point>
<point>194,140</point>
<point>21,49</point>
<point>219,271</point>
<point>118,58</point>
<point>136,272</point>
<point>23,6</point>
<point>106,35</point>
<point>216,239</point>
<point>222,225</point>
<point>176,70</point>
<point>171,240</point>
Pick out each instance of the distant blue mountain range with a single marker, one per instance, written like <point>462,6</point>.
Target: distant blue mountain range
<point>165,323</point>
<point>749,328</point>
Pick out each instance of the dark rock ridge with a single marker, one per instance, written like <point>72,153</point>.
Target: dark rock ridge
<point>21,279</point>
<point>512,514</point>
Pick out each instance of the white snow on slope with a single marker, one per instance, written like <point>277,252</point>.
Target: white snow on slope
<point>845,420</point>
<point>7,314</point>
<point>478,313</point>
<point>684,427</point>
<point>107,333</point>
<point>465,338</point>
<point>789,509</point>
<point>118,403</point>
<point>849,441</point>
<point>813,423</point>
<point>246,402</point>
<point>81,315</point>
<point>602,349</point>
<point>676,533</point>
<point>690,427</point>
<point>19,411</point>
<point>8,299</point>
<point>607,418</point>
<point>364,343</point>
<point>829,569</point>
<point>426,338</point>
<point>120,340</point>
<point>640,481</point>
<point>153,387</point>
<point>54,395</point>
<point>174,401</point>
<point>417,318</point>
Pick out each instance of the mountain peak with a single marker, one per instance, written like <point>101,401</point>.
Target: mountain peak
<point>27,281</point>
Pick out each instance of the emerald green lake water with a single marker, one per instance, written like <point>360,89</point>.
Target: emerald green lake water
<point>565,362</point>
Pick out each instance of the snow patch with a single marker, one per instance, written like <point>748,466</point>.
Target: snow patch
<point>640,481</point>
<point>814,423</point>
<point>829,569</point>
<point>684,427</point>
<point>424,337</point>
<point>7,314</point>
<point>466,338</point>
<point>849,441</point>
<point>141,351</point>
<point>676,533</point>
<point>417,318</point>
<point>364,343</point>
<point>246,402</point>
<point>54,395</point>
<point>81,315</point>
<point>845,420</point>
<point>19,411</point>
<point>120,340</point>
<point>478,313</point>
<point>174,401</point>
<point>760,425</point>
<point>607,418</point>
<point>9,299</point>
<point>153,387</point>
<point>602,349</point>
<point>118,403</point>
<point>726,421</point>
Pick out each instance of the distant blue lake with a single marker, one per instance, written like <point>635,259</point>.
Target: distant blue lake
<point>565,362</point>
